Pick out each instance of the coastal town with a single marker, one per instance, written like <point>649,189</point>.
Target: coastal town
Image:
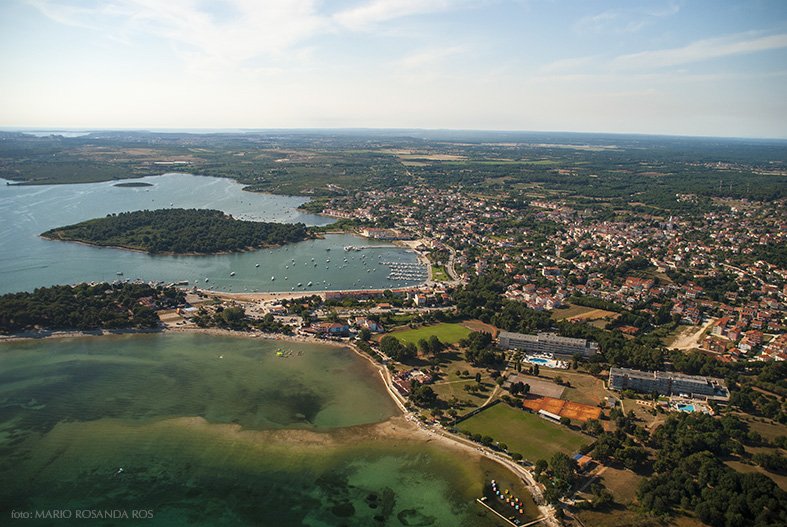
<point>556,336</point>
<point>393,263</point>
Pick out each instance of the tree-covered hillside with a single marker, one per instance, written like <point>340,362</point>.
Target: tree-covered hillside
<point>179,231</point>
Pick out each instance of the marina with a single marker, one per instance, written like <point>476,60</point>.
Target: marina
<point>31,261</point>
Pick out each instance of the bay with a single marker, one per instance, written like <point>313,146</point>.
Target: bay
<point>28,261</point>
<point>212,430</point>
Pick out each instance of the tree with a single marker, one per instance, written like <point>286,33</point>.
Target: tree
<point>592,427</point>
<point>536,370</point>
<point>563,470</point>
<point>391,346</point>
<point>565,421</point>
<point>478,377</point>
<point>365,334</point>
<point>423,395</point>
<point>435,346</point>
<point>516,388</point>
<point>423,346</point>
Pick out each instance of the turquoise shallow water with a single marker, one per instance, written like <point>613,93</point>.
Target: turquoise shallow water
<point>246,439</point>
<point>28,261</point>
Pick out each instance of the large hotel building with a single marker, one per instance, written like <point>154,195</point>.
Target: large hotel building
<point>667,383</point>
<point>563,347</point>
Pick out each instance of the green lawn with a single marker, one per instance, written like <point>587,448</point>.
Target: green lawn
<point>439,274</point>
<point>447,333</point>
<point>532,436</point>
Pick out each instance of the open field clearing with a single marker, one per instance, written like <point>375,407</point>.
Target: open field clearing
<point>447,333</point>
<point>532,436</point>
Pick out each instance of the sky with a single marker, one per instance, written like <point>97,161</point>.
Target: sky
<point>678,67</point>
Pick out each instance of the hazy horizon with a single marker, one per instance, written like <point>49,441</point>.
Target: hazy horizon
<point>230,130</point>
<point>663,67</point>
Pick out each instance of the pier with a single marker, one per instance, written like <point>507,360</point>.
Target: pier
<point>509,522</point>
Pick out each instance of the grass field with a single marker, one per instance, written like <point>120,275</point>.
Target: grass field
<point>439,274</point>
<point>451,383</point>
<point>584,389</point>
<point>447,333</point>
<point>523,432</point>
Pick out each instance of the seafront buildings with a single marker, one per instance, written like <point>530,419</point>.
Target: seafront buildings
<point>684,268</point>
<point>667,383</point>
<point>547,343</point>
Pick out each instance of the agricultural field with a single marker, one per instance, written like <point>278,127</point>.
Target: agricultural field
<point>448,333</point>
<point>532,436</point>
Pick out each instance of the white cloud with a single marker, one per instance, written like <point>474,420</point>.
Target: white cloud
<point>373,12</point>
<point>701,50</point>
<point>628,20</point>
<point>248,28</point>
<point>215,34</point>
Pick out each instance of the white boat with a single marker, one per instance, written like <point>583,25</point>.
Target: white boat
<point>309,284</point>
<point>232,273</point>
<point>206,279</point>
<point>257,265</point>
<point>273,278</point>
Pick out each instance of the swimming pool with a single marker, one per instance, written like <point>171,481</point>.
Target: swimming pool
<point>537,360</point>
<point>547,362</point>
<point>686,407</point>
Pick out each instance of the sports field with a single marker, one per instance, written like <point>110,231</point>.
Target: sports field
<point>447,333</point>
<point>570,409</point>
<point>532,436</point>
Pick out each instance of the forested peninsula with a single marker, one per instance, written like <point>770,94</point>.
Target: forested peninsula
<point>179,231</point>
<point>87,307</point>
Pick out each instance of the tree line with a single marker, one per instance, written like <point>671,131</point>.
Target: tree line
<point>86,307</point>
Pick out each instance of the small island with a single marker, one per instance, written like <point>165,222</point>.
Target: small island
<point>179,231</point>
<point>133,184</point>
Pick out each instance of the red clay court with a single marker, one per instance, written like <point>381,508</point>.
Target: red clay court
<point>570,409</point>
